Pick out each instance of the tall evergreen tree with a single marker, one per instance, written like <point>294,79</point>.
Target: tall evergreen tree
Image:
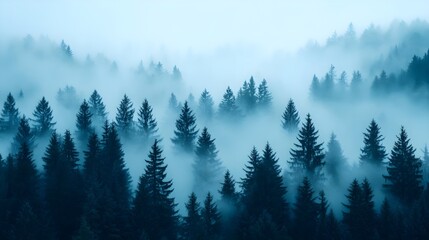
<point>97,109</point>
<point>124,116</point>
<point>228,207</point>
<point>9,119</point>
<point>335,160</point>
<point>207,167</point>
<point>83,121</point>
<point>205,106</point>
<point>227,191</point>
<point>404,173</point>
<point>425,165</point>
<point>146,123</point>
<point>373,151</point>
<point>92,162</point>
<point>210,219</point>
<point>305,211</point>
<point>43,123</point>
<point>290,118</point>
<point>385,224</point>
<point>160,206</point>
<point>356,83</point>
<point>247,98</point>
<point>307,157</point>
<point>192,222</point>
<point>264,99</point>
<point>228,108</point>
<point>24,135</point>
<point>173,104</point>
<point>315,88</point>
<point>186,130</point>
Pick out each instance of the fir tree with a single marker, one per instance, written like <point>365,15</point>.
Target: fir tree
<point>385,224</point>
<point>173,105</point>
<point>247,98</point>
<point>146,123</point>
<point>290,118</point>
<point>9,119</point>
<point>315,88</point>
<point>356,83</point>
<point>210,218</point>
<point>161,207</point>
<point>306,212</point>
<point>332,226</point>
<point>124,116</point>
<point>373,151</point>
<point>228,207</point>
<point>323,232</point>
<point>334,158</point>
<point>205,106</point>
<point>177,75</point>
<point>192,222</point>
<point>425,165</point>
<point>43,118</point>
<point>227,191</point>
<point>91,162</point>
<point>307,157</point>
<point>228,108</point>
<point>264,96</point>
<point>207,166</point>
<point>404,173</point>
<point>248,182</point>
<point>83,121</point>
<point>141,204</point>
<point>97,109</point>
<point>186,131</point>
<point>24,135</point>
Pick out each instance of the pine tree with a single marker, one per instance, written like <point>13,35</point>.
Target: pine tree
<point>228,108</point>
<point>305,211</point>
<point>322,231</point>
<point>161,207</point>
<point>172,103</point>
<point>227,191</point>
<point>290,118</point>
<point>264,96</point>
<point>360,214</point>
<point>92,162</point>
<point>146,123</point>
<point>9,120</point>
<point>247,98</point>
<point>404,173</point>
<point>332,226</point>
<point>97,109</point>
<point>124,116</point>
<point>186,131</point>
<point>192,222</point>
<point>205,106</point>
<point>248,182</point>
<point>228,207</point>
<point>334,158</point>
<point>207,167</point>
<point>425,165</point>
<point>356,83</point>
<point>83,121</point>
<point>307,157</point>
<point>43,118</point>
<point>177,75</point>
<point>24,135</point>
<point>141,204</point>
<point>373,151</point>
<point>315,88</point>
<point>210,218</point>
<point>385,225</point>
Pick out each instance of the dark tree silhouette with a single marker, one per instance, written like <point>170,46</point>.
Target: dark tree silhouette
<point>173,104</point>
<point>97,109</point>
<point>373,151</point>
<point>404,173</point>
<point>24,135</point>
<point>334,159</point>
<point>228,108</point>
<point>146,123</point>
<point>264,98</point>
<point>290,118</point>
<point>186,130</point>
<point>9,119</point>
<point>305,212</point>
<point>84,122</point>
<point>124,116</point>
<point>207,167</point>
<point>210,219</point>
<point>308,157</point>
<point>43,123</point>
<point>192,222</point>
<point>246,97</point>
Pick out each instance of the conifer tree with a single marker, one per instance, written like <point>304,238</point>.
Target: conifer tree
<point>373,152</point>
<point>186,130</point>
<point>356,83</point>
<point>386,223</point>
<point>264,96</point>
<point>228,108</point>
<point>247,183</point>
<point>333,229</point>
<point>177,75</point>
<point>205,106</point>
<point>173,104</point>
<point>92,162</point>
<point>290,118</point>
<point>192,222</point>
<point>305,211</point>
<point>160,206</point>
<point>210,218</point>
<point>124,116</point>
<point>84,232</point>
<point>425,165</point>
<point>9,119</point>
<point>146,123</point>
<point>43,123</point>
<point>308,157</point>
<point>207,167</point>
<point>404,173</point>
<point>97,109</point>
<point>141,204</point>
<point>227,191</point>
<point>315,88</point>
<point>322,231</point>
<point>228,207</point>
<point>83,121</point>
<point>334,158</point>
<point>24,135</point>
<point>246,97</point>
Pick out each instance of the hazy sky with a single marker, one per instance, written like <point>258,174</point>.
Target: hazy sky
<point>127,28</point>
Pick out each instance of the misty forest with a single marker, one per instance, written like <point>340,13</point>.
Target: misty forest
<point>328,142</point>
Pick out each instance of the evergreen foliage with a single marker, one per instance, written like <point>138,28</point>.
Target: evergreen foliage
<point>9,119</point>
<point>186,130</point>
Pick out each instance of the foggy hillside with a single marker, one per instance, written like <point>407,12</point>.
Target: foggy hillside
<point>250,129</point>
